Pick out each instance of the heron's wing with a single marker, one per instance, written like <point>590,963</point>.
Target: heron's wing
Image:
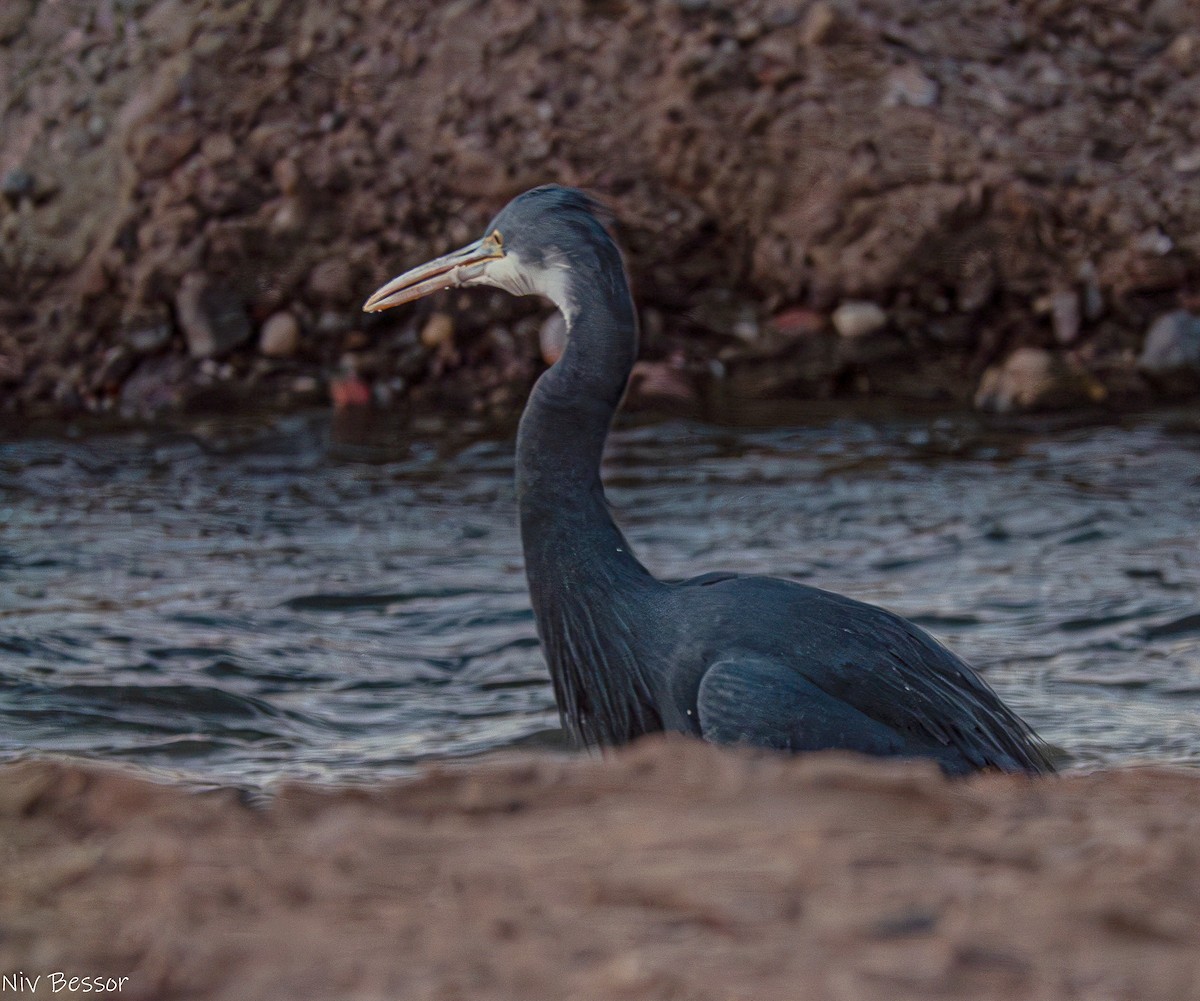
<point>751,700</point>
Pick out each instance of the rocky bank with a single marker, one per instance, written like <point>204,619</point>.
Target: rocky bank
<point>670,870</point>
<point>935,199</point>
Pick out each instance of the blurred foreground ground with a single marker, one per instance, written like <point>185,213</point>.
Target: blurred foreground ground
<point>671,870</point>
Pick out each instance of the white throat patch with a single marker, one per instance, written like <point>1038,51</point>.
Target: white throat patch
<point>517,278</point>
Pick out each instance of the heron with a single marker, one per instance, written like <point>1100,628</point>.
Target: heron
<point>731,658</point>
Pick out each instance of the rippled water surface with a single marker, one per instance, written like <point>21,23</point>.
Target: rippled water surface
<point>244,603</point>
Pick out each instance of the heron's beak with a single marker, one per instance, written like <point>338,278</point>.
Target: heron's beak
<point>452,270</point>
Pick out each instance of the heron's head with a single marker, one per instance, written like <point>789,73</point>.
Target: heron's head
<point>538,245</point>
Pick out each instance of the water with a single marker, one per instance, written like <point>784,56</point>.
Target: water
<point>236,603</point>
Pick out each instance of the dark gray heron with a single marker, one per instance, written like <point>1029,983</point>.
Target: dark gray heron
<point>728,657</point>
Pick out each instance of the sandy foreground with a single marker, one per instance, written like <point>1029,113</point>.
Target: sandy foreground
<point>669,870</point>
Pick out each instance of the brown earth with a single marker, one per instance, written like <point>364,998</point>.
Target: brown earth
<point>671,870</point>
<point>993,174</point>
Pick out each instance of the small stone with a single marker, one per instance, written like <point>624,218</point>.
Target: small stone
<point>819,24</point>
<point>1093,296</point>
<point>1187,163</point>
<point>147,329</point>
<point>331,279</point>
<point>348,392</point>
<point>218,149</point>
<point>659,383</point>
<point>288,216</point>
<point>797,322</point>
<point>1032,379</point>
<point>17,183</point>
<point>1172,344</point>
<point>1064,315</point>
<point>1155,241</point>
<point>286,174</point>
<point>147,340</point>
<point>280,335</point>
<point>212,316</point>
<point>858,318</point>
<point>158,384</point>
<point>114,367</point>
<point>552,337</point>
<point>1182,51</point>
<point>907,85</point>
<point>438,330</point>
<point>159,149</point>
<point>13,16</point>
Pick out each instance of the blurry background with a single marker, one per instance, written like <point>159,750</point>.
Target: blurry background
<point>848,225</point>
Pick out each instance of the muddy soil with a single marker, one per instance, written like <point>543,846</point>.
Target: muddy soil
<point>671,870</point>
<point>969,178</point>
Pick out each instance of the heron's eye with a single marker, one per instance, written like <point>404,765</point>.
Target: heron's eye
<point>497,238</point>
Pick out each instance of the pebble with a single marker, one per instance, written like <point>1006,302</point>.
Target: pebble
<point>349,391</point>
<point>1031,379</point>
<point>798,321</point>
<point>1064,315</point>
<point>17,183</point>
<point>907,85</point>
<point>212,316</point>
<point>13,17</point>
<point>1187,163</point>
<point>1172,344</point>
<point>280,335</point>
<point>858,318</point>
<point>1093,295</point>
<point>438,330</point>
<point>286,175</point>
<point>331,279</point>
<point>152,337</point>
<point>819,24</point>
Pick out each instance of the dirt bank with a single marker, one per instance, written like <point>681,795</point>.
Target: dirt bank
<point>968,177</point>
<point>672,870</point>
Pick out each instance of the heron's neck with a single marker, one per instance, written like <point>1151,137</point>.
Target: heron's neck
<point>560,443</point>
<point>584,582</point>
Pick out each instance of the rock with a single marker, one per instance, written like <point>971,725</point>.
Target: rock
<point>798,321</point>
<point>286,175</point>
<point>331,279</point>
<point>212,316</point>
<point>660,384</point>
<point>147,329</point>
<point>1093,295</point>
<point>1064,315</point>
<point>552,337</point>
<point>17,183</point>
<point>1032,379</point>
<point>158,149</point>
<point>114,367</point>
<point>149,339</point>
<point>820,24</point>
<point>858,318</point>
<point>280,335</point>
<point>157,384</point>
<point>907,85</point>
<point>349,391</point>
<point>219,148</point>
<point>1172,345</point>
<point>13,16</point>
<point>1187,162</point>
<point>438,330</point>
